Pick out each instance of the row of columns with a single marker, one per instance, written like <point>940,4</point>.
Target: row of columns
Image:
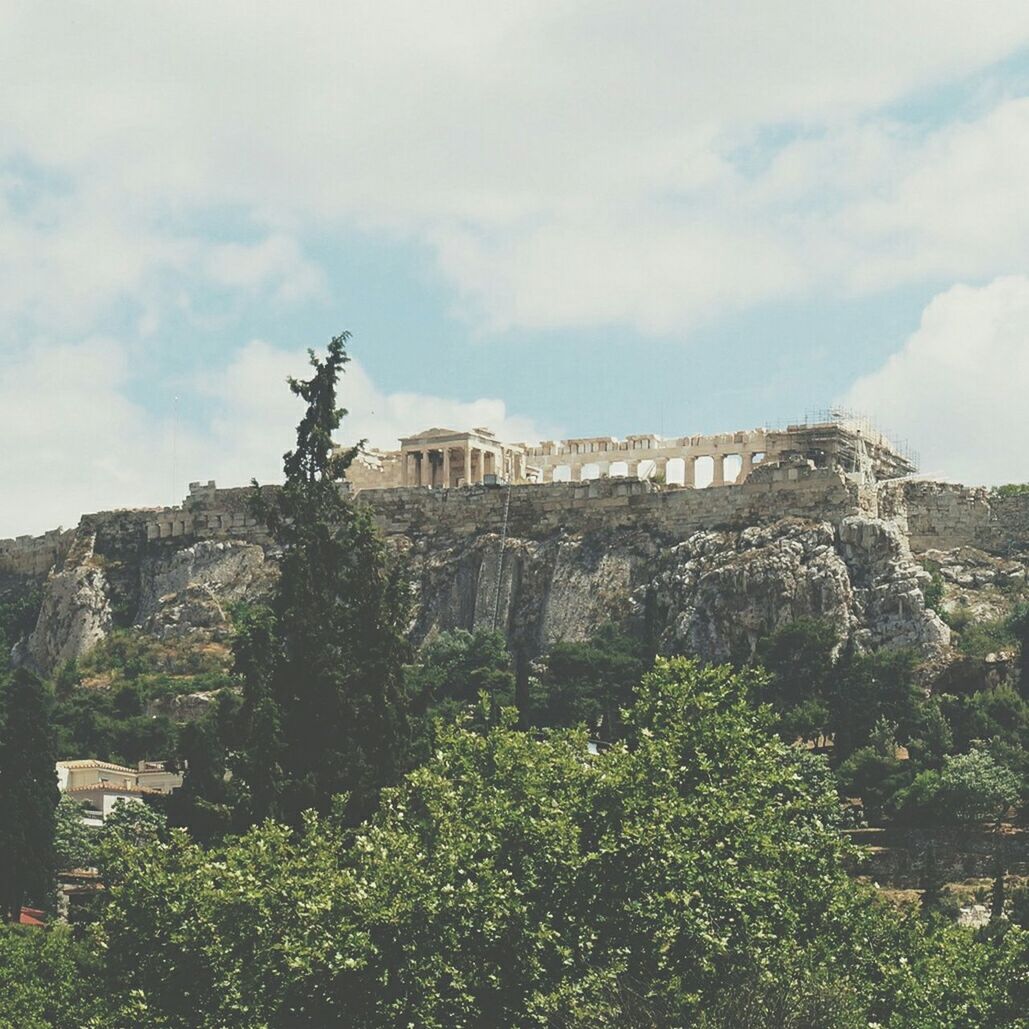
<point>419,466</point>
<point>661,468</point>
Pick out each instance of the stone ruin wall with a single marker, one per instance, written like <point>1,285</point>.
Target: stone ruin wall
<point>32,557</point>
<point>945,516</point>
<point>934,515</point>
<point>608,505</point>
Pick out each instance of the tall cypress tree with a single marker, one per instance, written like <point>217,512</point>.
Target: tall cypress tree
<point>323,699</point>
<point>28,795</point>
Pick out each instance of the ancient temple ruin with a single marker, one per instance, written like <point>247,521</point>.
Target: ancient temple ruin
<point>447,458</point>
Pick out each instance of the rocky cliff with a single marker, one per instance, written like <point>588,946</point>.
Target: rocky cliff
<point>699,571</point>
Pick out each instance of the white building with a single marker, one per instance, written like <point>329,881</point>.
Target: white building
<point>99,785</point>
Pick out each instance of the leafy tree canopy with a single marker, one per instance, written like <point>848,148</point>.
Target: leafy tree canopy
<point>515,880</point>
<point>588,683</point>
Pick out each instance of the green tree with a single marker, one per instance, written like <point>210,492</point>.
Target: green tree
<point>934,739</point>
<point>201,804</point>
<point>510,880</point>
<point>867,687</point>
<point>689,875</point>
<point>323,689</point>
<point>130,825</point>
<point>974,787</point>
<point>48,980</point>
<point>800,660</point>
<point>74,841</point>
<point>1019,627</point>
<point>932,881</point>
<point>19,610</point>
<point>28,794</point>
<point>588,683</point>
<point>452,671</point>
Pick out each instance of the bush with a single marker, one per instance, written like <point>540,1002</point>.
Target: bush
<point>974,788</point>
<point>47,980</point>
<point>934,591</point>
<point>875,777</point>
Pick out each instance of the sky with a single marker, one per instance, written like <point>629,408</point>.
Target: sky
<point>559,218</point>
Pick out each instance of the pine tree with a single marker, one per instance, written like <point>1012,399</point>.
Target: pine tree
<point>324,701</point>
<point>28,795</point>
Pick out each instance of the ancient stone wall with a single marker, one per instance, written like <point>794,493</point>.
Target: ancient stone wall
<point>532,510</point>
<point>537,511</point>
<point>944,516</point>
<point>34,556</point>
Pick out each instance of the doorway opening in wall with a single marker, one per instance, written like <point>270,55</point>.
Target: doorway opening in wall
<point>705,472</point>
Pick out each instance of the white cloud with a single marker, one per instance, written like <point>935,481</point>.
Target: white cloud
<point>276,262</point>
<point>75,443</point>
<point>958,387</point>
<point>257,414</point>
<point>570,162</point>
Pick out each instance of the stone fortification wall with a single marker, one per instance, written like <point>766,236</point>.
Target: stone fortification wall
<point>208,513</point>
<point>34,556</point>
<point>533,510</point>
<point>537,511</point>
<point>944,516</point>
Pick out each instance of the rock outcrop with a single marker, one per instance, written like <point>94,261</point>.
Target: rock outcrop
<point>714,594</point>
<point>76,612</point>
<point>700,571</point>
<point>186,591</point>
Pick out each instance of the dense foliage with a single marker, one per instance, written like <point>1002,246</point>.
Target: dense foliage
<point>894,746</point>
<point>689,875</point>
<point>28,794</point>
<point>18,613</point>
<point>588,683</point>
<point>48,980</point>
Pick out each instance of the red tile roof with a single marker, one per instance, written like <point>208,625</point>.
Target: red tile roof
<point>31,916</point>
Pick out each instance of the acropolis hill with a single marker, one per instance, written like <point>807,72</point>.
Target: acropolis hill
<point>701,543</point>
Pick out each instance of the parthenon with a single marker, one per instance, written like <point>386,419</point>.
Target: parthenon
<point>448,458</point>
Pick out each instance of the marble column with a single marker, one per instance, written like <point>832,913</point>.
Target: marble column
<point>747,467</point>
<point>718,473</point>
<point>689,476</point>
<point>446,467</point>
